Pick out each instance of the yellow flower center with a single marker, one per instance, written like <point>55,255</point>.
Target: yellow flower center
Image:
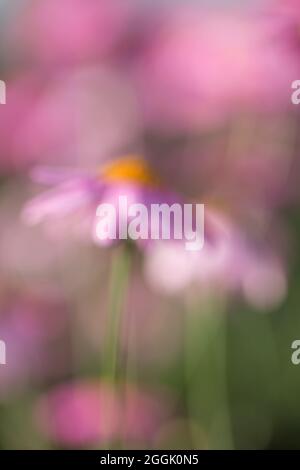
<point>130,169</point>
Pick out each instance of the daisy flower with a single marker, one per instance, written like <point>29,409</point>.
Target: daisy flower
<point>70,205</point>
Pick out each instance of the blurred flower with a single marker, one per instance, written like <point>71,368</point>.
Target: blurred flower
<point>204,67</point>
<point>68,31</point>
<point>72,204</point>
<point>67,117</point>
<point>287,15</point>
<point>230,262</point>
<point>86,413</point>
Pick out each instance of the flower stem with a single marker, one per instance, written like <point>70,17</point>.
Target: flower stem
<point>207,375</point>
<point>117,296</point>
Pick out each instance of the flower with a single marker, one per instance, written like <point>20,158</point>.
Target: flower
<point>68,31</point>
<point>287,15</point>
<point>88,412</point>
<point>202,68</point>
<point>73,202</point>
<point>230,262</point>
<point>55,118</point>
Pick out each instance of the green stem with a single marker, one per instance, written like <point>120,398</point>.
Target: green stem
<point>206,374</point>
<point>118,288</point>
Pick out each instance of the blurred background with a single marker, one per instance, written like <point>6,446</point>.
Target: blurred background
<point>101,96</point>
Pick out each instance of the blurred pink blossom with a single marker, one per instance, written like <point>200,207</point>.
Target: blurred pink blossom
<point>68,117</point>
<point>68,31</point>
<point>71,206</point>
<point>204,67</point>
<point>287,15</point>
<point>88,413</point>
<point>230,262</point>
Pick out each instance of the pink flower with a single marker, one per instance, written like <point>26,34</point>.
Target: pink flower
<point>68,31</point>
<point>71,206</point>
<point>57,119</point>
<point>287,15</point>
<point>89,413</point>
<point>205,67</point>
<point>229,263</point>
